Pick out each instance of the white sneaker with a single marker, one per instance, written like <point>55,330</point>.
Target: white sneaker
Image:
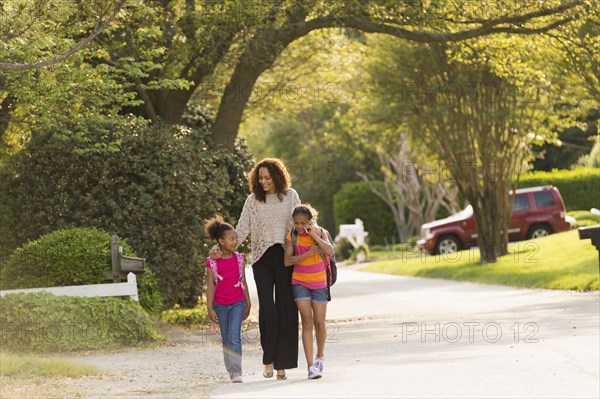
<point>313,373</point>
<point>320,364</point>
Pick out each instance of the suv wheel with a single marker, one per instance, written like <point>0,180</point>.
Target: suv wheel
<point>539,230</point>
<point>447,244</point>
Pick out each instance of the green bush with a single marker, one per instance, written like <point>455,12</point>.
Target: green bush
<point>343,249</point>
<point>356,200</point>
<point>148,292</point>
<point>187,317</point>
<point>591,160</point>
<point>44,322</point>
<point>361,248</point>
<point>76,256</point>
<point>580,188</point>
<point>594,156</point>
<point>154,184</point>
<point>585,218</point>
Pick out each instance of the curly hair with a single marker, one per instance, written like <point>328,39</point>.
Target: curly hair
<point>279,174</point>
<point>216,228</point>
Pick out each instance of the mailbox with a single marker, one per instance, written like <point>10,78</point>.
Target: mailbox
<point>355,233</point>
<point>132,264</point>
<point>123,265</point>
<point>592,232</point>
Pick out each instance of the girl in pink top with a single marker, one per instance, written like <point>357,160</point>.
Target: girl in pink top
<point>227,297</point>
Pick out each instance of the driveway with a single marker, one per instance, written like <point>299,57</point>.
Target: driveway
<point>394,336</point>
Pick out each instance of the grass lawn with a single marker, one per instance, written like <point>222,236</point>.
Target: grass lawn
<point>559,261</point>
<point>29,366</point>
<point>585,218</point>
<point>25,376</point>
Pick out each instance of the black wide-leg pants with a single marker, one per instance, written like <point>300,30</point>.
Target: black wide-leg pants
<point>278,314</point>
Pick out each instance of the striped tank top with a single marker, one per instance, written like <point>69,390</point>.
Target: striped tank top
<point>311,271</point>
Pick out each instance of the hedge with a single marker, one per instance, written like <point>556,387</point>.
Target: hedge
<point>43,322</point>
<point>76,256</point>
<point>188,317</point>
<point>580,188</point>
<point>152,183</point>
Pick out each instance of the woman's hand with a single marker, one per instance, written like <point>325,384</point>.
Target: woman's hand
<point>215,252</point>
<point>247,311</point>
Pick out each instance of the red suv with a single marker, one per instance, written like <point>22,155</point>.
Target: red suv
<point>537,212</point>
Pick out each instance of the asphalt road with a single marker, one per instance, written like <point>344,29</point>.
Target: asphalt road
<point>407,337</point>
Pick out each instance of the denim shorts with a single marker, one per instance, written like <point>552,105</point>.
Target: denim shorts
<point>301,293</point>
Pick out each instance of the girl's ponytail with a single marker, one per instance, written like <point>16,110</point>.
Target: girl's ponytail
<point>216,228</point>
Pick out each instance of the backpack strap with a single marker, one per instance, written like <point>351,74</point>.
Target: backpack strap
<point>294,234</point>
<point>215,272</point>
<point>323,256</point>
<point>241,266</point>
<point>327,265</point>
<point>330,240</point>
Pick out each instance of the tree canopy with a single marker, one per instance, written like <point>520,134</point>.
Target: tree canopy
<point>165,51</point>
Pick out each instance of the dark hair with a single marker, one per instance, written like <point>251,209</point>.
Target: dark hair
<point>306,210</point>
<point>279,174</point>
<point>216,228</point>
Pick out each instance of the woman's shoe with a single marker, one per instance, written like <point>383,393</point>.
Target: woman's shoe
<point>268,374</point>
<point>281,376</point>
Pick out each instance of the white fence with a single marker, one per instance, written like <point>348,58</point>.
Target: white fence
<point>116,289</point>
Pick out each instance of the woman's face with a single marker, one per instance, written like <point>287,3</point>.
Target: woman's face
<point>229,242</point>
<point>301,223</point>
<point>265,180</point>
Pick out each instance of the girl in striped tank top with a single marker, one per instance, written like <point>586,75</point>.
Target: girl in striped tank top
<point>309,281</point>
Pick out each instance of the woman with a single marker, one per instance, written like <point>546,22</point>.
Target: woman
<point>267,216</point>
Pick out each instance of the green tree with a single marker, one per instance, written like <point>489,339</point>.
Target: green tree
<point>356,200</point>
<point>167,50</point>
<point>29,29</point>
<point>294,114</point>
<point>474,119</point>
<point>424,22</point>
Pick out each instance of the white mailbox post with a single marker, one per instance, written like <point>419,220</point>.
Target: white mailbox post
<point>355,233</point>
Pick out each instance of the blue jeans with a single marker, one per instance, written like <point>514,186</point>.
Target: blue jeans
<point>230,323</point>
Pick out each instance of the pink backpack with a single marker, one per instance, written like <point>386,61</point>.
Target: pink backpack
<point>217,277</point>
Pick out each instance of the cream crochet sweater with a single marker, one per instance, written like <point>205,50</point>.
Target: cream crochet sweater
<point>266,222</point>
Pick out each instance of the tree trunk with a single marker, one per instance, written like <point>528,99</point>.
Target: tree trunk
<point>260,54</point>
<point>487,226</point>
<point>6,110</point>
<point>169,105</point>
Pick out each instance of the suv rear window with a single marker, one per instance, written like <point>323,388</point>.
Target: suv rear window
<point>521,203</point>
<point>543,199</point>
